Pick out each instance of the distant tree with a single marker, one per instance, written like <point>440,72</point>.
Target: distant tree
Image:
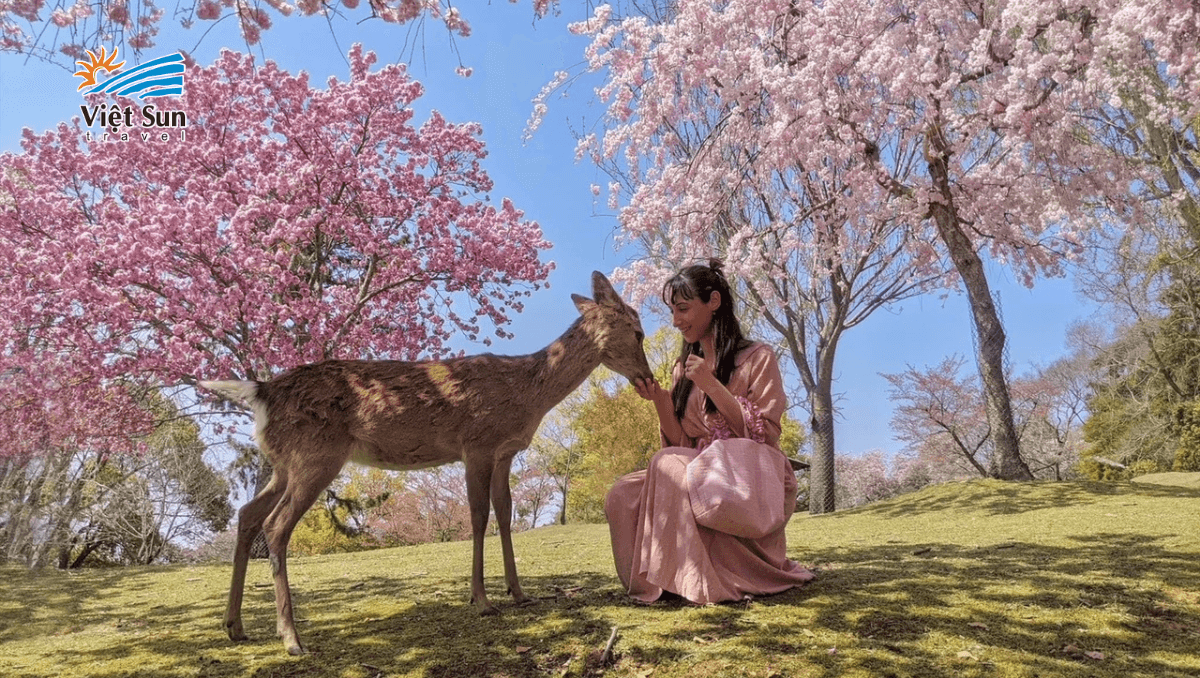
<point>1187,425</point>
<point>555,452</point>
<point>939,414</point>
<point>1141,411</point>
<point>1124,428</point>
<point>336,523</point>
<point>872,477</point>
<point>533,493</point>
<point>41,500</point>
<point>618,433</point>
<point>1050,406</point>
<point>77,507</point>
<point>1144,399</point>
<point>371,508</point>
<point>441,494</point>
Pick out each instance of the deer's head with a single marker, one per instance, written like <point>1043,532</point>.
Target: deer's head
<point>616,328</point>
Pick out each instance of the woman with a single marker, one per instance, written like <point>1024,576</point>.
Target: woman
<point>728,389</point>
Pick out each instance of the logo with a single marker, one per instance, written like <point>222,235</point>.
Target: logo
<point>161,77</point>
<point>156,78</point>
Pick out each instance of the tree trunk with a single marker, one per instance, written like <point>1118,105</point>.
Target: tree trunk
<point>562,515</point>
<point>822,483</point>
<point>61,534</point>
<point>1007,463</point>
<point>818,385</point>
<point>87,551</point>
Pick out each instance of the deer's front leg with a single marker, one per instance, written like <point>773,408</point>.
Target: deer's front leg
<point>250,520</point>
<point>502,503</point>
<point>479,476</point>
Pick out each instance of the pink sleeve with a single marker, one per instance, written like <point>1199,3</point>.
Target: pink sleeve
<point>765,400</point>
<point>676,375</point>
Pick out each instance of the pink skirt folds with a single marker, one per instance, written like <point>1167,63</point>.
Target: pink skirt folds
<point>657,545</point>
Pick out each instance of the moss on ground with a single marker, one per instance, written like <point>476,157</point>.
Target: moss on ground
<point>983,579</point>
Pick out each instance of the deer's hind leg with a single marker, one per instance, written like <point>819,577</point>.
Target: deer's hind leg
<point>304,485</point>
<point>250,522</point>
<point>502,504</point>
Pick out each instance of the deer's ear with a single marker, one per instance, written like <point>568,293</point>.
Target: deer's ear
<point>582,303</point>
<point>603,292</point>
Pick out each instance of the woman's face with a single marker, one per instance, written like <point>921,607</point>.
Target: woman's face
<point>693,318</point>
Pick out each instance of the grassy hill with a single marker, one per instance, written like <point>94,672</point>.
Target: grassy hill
<point>961,580</point>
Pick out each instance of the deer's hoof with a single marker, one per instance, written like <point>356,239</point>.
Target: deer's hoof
<point>235,632</point>
<point>295,650</point>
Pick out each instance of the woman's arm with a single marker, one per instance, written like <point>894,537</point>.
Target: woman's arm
<point>700,371</point>
<point>756,413</point>
<point>672,430</point>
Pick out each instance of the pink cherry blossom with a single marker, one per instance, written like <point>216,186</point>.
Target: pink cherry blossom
<point>1006,87</point>
<point>291,225</point>
<point>781,135</point>
<point>22,28</point>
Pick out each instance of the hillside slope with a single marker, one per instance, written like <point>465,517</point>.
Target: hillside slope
<point>965,579</point>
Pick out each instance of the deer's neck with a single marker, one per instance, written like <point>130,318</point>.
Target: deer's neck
<point>565,364</point>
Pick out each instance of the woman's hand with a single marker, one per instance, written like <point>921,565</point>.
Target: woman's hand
<point>649,389</point>
<point>700,371</point>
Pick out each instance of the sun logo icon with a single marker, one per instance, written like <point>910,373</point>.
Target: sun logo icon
<point>104,63</point>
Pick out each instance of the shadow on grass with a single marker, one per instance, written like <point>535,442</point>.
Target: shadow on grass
<point>1026,607</point>
<point>994,497</point>
<point>933,610</point>
<point>1032,609</point>
<point>113,630</point>
<point>370,626</point>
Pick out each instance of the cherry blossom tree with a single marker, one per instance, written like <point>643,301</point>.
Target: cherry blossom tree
<point>941,417</point>
<point>49,29</point>
<point>1050,416</point>
<point>964,122</point>
<point>807,264</point>
<point>533,492</point>
<point>873,476</point>
<point>288,225</point>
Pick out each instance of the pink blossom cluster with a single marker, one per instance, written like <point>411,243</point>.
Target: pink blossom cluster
<point>873,476</point>
<point>736,122</point>
<point>137,21</point>
<point>291,225</point>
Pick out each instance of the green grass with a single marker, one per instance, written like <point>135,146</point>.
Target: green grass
<point>968,579</point>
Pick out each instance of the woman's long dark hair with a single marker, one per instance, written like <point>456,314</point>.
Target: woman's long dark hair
<point>699,282</point>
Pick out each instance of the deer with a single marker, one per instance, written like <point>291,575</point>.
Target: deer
<point>481,410</point>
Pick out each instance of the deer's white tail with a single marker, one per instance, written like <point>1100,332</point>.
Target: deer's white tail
<point>245,391</point>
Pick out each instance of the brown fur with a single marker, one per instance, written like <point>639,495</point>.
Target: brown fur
<point>481,410</point>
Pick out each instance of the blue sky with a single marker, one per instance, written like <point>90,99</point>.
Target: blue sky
<point>512,56</point>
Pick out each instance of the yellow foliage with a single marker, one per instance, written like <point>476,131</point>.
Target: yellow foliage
<point>316,534</point>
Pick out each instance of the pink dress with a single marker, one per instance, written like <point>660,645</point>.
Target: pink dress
<point>657,545</point>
